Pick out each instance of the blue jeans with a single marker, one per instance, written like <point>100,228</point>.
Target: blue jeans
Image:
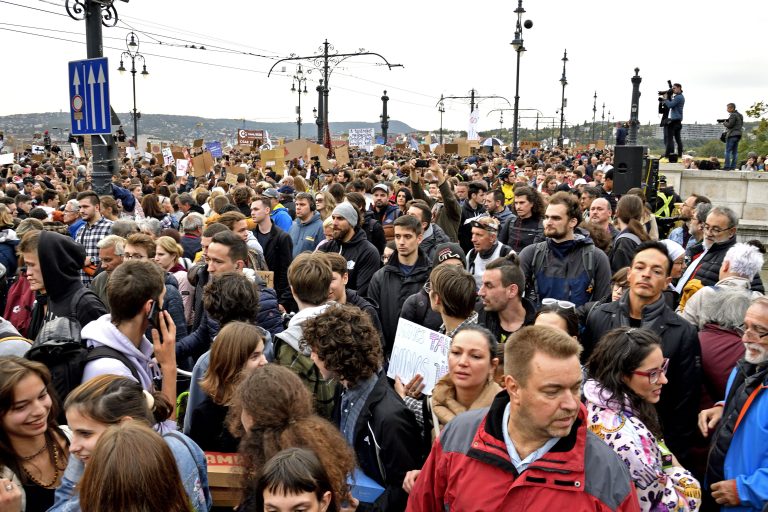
<point>731,152</point>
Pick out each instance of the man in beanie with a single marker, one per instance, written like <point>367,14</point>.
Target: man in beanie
<point>404,274</point>
<point>363,259</point>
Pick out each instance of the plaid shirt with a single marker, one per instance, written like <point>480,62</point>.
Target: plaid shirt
<point>89,236</point>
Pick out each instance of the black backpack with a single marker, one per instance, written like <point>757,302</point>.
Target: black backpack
<point>59,347</point>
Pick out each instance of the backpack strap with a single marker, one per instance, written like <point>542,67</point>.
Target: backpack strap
<point>104,352</point>
<point>537,264</point>
<point>76,298</point>
<point>629,235</point>
<point>588,260</point>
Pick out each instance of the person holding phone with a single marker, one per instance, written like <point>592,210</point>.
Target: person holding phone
<point>135,295</point>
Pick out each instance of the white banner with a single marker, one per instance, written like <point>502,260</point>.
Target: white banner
<point>419,350</point>
<point>181,167</point>
<point>474,117</point>
<point>361,137</point>
<point>168,157</point>
<point>75,149</point>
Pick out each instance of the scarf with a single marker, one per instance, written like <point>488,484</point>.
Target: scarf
<point>446,407</point>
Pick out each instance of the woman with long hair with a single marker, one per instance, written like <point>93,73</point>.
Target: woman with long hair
<point>325,204</point>
<point>629,214</point>
<point>32,446</point>
<point>169,254</point>
<point>132,470</point>
<point>273,411</point>
<point>109,400</point>
<point>152,208</point>
<point>294,479</point>
<point>237,350</point>
<point>627,371</point>
<point>402,198</point>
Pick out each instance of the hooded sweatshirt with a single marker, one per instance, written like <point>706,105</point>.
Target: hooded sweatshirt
<point>363,260</point>
<point>306,235</point>
<point>61,259</point>
<point>103,332</point>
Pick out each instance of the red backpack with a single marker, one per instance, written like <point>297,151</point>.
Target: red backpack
<point>18,306</point>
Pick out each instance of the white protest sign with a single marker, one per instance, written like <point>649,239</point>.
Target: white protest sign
<point>419,350</point>
<point>181,167</point>
<point>38,150</point>
<point>148,156</point>
<point>131,152</point>
<point>6,159</point>
<point>75,149</point>
<point>168,157</point>
<point>361,137</point>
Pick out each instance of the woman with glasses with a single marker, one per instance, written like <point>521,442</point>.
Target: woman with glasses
<point>627,371</point>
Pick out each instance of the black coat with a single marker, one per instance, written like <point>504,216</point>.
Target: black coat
<point>389,289</point>
<point>418,310</point>
<point>363,260</point>
<point>709,266</point>
<point>387,437</point>
<point>679,405</point>
<point>278,253</point>
<point>519,233</point>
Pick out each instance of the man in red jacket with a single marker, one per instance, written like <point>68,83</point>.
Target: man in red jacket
<point>531,450</point>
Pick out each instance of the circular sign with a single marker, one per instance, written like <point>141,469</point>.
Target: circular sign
<point>242,133</point>
<point>77,103</point>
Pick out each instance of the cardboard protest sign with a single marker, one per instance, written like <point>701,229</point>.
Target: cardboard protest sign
<point>527,145</point>
<point>321,152</point>
<point>463,149</point>
<point>168,157</point>
<point>156,148</point>
<point>148,156</point>
<point>181,167</point>
<point>268,276</point>
<point>296,149</point>
<point>230,179</point>
<point>274,158</point>
<point>600,144</point>
<point>38,150</point>
<point>451,149</point>
<point>342,155</point>
<point>177,155</point>
<point>419,350</point>
<point>202,163</point>
<point>224,478</point>
<point>439,150</point>
<point>428,140</point>
<point>401,146</point>
<point>361,137</point>
<point>379,151</point>
<point>197,143</point>
<point>424,148</point>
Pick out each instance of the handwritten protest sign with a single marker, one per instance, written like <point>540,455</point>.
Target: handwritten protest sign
<point>419,350</point>
<point>181,167</point>
<point>361,137</point>
<point>168,157</point>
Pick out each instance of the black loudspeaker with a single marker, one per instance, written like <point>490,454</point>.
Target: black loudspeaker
<point>627,168</point>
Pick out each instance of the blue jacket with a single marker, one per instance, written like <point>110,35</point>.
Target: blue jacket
<point>190,460</point>
<point>74,227</point>
<point>676,107</point>
<point>306,235</point>
<point>281,217</point>
<point>125,197</point>
<point>747,457</point>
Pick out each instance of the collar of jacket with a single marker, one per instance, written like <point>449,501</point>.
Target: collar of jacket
<point>565,458</point>
<point>651,312</point>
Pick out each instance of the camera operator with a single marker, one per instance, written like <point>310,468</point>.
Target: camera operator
<point>733,126</point>
<point>675,122</point>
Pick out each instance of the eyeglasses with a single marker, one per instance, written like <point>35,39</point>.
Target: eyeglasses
<point>656,373</point>
<point>714,229</point>
<point>750,333</point>
<point>134,256</point>
<point>564,304</point>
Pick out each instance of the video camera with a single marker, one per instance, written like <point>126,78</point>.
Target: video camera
<point>666,94</point>
<point>721,120</point>
<point>663,108</point>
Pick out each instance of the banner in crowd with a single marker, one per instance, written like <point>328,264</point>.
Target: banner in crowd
<point>361,137</point>
<point>215,149</point>
<point>168,156</point>
<point>248,137</point>
<point>474,118</point>
<point>418,350</point>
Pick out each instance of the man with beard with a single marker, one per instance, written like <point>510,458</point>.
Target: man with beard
<point>566,266</point>
<point>736,473</point>
<point>383,211</point>
<point>363,260</point>
<point>533,430</point>
<point>525,228</point>
<point>644,306</point>
<point>682,234</point>
<point>504,309</point>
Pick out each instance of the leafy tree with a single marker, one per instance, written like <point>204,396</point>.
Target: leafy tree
<point>757,140</point>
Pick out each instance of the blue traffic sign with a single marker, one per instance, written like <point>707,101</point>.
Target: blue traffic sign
<point>89,97</point>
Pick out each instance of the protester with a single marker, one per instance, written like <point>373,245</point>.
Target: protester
<point>485,246</point>
<point>307,229</point>
<point>341,295</point>
<point>452,294</point>
<point>526,226</point>
<point>629,214</point>
<point>627,371</point>
<point>90,233</point>
<point>432,234</point>
<point>107,400</point>
<point>169,254</point>
<point>504,309</point>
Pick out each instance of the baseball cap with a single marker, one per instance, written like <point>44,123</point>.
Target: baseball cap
<point>271,193</point>
<point>447,251</point>
<point>487,223</point>
<point>380,186</point>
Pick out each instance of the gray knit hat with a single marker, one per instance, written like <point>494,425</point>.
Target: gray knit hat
<point>348,211</point>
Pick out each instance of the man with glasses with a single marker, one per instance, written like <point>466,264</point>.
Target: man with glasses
<point>72,217</point>
<point>736,475</point>
<point>719,237</point>
<point>643,305</point>
<point>682,234</point>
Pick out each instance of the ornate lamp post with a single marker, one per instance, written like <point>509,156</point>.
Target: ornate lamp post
<point>563,82</point>
<point>298,79</point>
<point>517,44</point>
<point>132,43</point>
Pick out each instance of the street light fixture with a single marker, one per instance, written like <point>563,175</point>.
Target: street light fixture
<point>298,79</point>
<point>517,44</point>
<point>132,44</point>
<point>563,82</point>
<point>441,109</point>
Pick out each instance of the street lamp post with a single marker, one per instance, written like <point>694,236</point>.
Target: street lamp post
<point>319,115</point>
<point>441,109</point>
<point>298,79</point>
<point>563,82</point>
<point>602,124</point>
<point>517,44</point>
<point>594,113</point>
<point>132,43</point>
<point>384,117</point>
<point>501,123</point>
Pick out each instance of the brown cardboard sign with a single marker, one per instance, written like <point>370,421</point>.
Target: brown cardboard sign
<point>231,178</point>
<point>439,149</point>
<point>296,149</point>
<point>424,148</point>
<point>400,146</point>
<point>379,151</point>
<point>201,164</point>
<point>225,472</point>
<point>268,276</point>
<point>274,158</point>
<point>451,149</point>
<point>342,155</point>
<point>198,143</point>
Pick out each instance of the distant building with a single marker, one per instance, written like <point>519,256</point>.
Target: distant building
<point>694,131</point>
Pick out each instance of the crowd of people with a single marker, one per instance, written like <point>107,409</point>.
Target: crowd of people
<point>600,357</point>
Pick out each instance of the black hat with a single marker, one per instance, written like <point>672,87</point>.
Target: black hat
<point>448,251</point>
<point>608,174</point>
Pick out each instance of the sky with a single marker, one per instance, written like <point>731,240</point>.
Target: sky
<point>444,48</point>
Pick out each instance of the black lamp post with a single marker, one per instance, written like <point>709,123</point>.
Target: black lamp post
<point>441,109</point>
<point>132,43</point>
<point>298,79</point>
<point>501,123</point>
<point>318,112</point>
<point>563,82</point>
<point>594,113</point>
<point>384,117</point>
<point>517,44</point>
<point>634,121</point>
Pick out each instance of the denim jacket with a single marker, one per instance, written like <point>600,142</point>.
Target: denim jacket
<point>190,460</point>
